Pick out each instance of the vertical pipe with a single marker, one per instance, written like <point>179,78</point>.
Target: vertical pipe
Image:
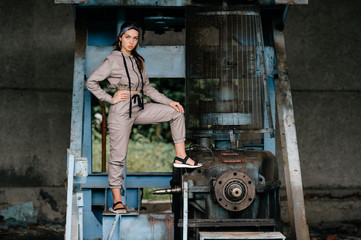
<point>87,130</point>
<point>185,209</point>
<point>117,216</point>
<point>69,210</point>
<point>104,135</point>
<point>80,205</point>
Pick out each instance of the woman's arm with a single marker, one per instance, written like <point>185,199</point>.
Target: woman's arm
<point>153,93</point>
<point>100,74</point>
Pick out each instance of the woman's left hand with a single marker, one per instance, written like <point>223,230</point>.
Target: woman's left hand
<point>177,106</point>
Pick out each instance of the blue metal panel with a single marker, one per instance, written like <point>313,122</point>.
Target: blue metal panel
<point>76,131</point>
<point>270,143</point>
<point>226,119</point>
<point>271,69</point>
<point>87,131</point>
<point>92,226</point>
<point>171,64</point>
<point>152,180</point>
<point>134,180</point>
<point>133,198</point>
<point>101,33</point>
<point>140,227</point>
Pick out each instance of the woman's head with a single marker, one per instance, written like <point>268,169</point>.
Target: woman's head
<point>127,39</point>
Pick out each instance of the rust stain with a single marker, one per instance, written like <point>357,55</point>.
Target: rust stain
<point>333,237</point>
<point>152,221</point>
<point>170,227</point>
<point>233,160</point>
<point>168,221</point>
<point>231,154</point>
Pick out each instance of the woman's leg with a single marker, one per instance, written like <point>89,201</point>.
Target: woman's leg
<point>119,132</point>
<point>157,113</point>
<point>181,153</point>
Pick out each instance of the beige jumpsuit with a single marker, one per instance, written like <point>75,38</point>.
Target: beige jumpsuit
<point>119,122</point>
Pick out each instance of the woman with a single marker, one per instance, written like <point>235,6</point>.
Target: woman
<point>125,70</point>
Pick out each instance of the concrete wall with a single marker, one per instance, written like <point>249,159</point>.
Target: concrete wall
<point>323,46</point>
<point>36,65</point>
<point>36,62</point>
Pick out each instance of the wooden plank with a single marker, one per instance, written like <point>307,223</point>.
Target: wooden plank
<point>291,158</point>
<point>240,235</point>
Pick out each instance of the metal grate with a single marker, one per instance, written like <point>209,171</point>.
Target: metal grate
<point>225,68</point>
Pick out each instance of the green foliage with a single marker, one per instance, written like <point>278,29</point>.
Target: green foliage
<point>143,155</point>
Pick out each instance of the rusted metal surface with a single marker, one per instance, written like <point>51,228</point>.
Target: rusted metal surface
<point>234,191</point>
<point>290,153</point>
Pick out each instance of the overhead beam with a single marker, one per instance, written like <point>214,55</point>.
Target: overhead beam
<point>166,3</point>
<point>160,61</point>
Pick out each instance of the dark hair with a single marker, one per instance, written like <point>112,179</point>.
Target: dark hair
<point>118,45</point>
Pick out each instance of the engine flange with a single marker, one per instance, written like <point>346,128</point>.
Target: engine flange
<point>234,191</point>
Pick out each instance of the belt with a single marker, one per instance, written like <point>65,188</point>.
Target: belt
<point>138,99</point>
<point>131,92</point>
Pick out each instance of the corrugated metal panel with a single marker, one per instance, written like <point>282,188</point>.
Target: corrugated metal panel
<point>225,68</point>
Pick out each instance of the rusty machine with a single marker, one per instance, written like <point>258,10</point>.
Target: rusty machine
<point>234,66</point>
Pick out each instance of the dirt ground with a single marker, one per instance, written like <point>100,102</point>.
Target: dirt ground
<point>322,231</point>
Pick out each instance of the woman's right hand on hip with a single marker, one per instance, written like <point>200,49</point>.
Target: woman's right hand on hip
<point>121,96</point>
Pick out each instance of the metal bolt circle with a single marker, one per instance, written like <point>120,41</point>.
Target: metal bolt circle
<point>233,191</point>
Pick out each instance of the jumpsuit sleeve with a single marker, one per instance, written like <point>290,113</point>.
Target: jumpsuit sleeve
<point>100,74</point>
<point>153,93</point>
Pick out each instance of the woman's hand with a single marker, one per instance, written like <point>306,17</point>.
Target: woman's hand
<point>121,96</point>
<point>177,106</point>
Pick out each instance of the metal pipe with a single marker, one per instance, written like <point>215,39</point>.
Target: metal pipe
<point>104,135</point>
<point>117,216</point>
<point>168,191</point>
<point>185,210</point>
<point>69,210</point>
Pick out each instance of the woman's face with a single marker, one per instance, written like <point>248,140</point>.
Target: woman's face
<point>129,39</point>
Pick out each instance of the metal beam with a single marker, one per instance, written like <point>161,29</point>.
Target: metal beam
<point>165,3</point>
<point>158,3</point>
<point>135,180</point>
<point>76,130</point>
<point>291,160</point>
<point>171,64</point>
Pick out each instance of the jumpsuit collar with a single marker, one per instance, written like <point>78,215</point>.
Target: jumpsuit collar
<point>117,52</point>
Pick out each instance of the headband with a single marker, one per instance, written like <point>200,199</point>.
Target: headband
<point>128,28</point>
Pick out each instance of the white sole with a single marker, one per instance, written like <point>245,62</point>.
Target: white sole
<point>111,210</point>
<point>181,165</point>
